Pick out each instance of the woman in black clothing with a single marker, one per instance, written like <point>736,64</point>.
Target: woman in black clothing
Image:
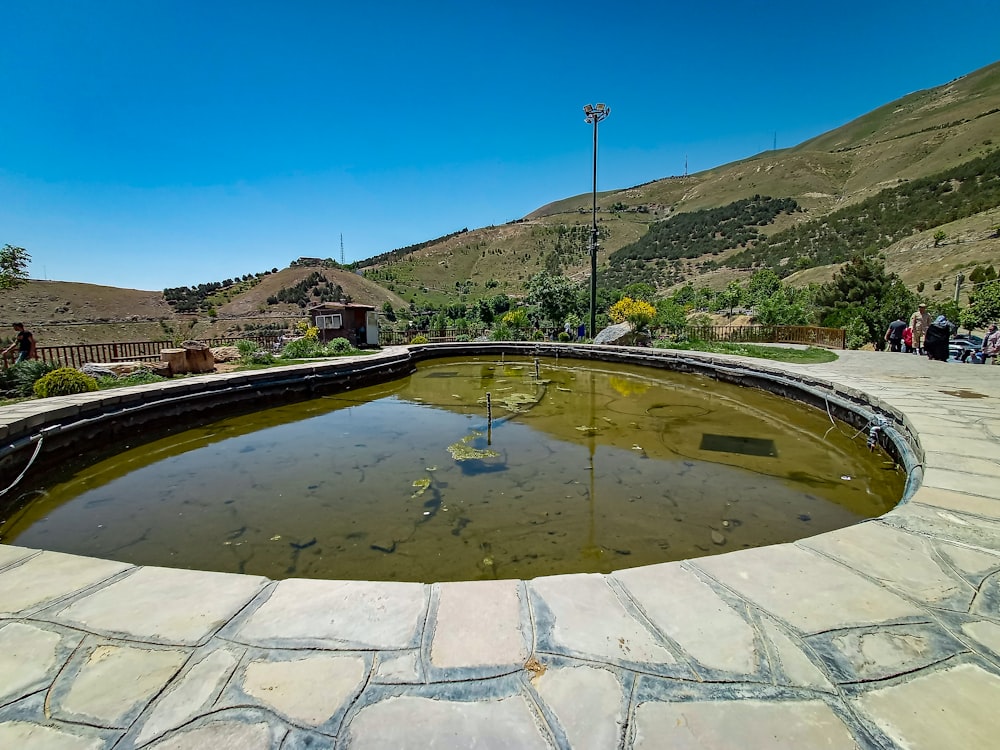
<point>937,337</point>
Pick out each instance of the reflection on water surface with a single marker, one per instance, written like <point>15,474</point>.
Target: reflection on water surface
<point>586,467</point>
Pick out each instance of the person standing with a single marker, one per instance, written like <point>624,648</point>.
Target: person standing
<point>991,345</point>
<point>24,342</point>
<point>936,339</point>
<point>894,334</point>
<point>920,321</point>
<point>908,340</point>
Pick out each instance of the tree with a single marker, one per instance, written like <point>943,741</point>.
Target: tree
<point>762,285</point>
<point>939,237</point>
<point>729,297</point>
<point>636,311</point>
<point>553,295</point>
<point>13,266</point>
<point>670,315</point>
<point>863,293</point>
<point>785,307</point>
<point>984,308</point>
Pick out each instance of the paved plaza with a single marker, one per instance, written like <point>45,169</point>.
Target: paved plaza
<point>882,635</point>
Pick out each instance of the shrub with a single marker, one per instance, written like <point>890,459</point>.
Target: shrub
<point>420,339</point>
<point>246,348</point>
<point>63,382</point>
<point>260,357</point>
<point>636,311</point>
<point>25,374</point>
<point>339,346</point>
<point>301,349</point>
<point>563,336</point>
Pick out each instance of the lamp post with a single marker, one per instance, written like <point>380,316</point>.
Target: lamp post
<point>594,114</point>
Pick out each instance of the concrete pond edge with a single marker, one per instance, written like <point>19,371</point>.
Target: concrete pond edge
<point>884,634</point>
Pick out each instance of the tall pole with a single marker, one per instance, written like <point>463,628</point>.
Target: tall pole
<point>594,115</point>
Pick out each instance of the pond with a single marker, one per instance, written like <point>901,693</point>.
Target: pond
<point>576,467</point>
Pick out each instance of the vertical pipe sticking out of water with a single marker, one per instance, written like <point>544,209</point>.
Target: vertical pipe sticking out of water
<point>536,368</point>
<point>489,419</point>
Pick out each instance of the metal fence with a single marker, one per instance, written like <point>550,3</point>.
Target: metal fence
<point>75,355</point>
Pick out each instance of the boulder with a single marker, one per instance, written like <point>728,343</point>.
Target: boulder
<point>225,353</point>
<point>158,368</point>
<point>98,370</point>
<point>623,335</point>
<point>112,369</point>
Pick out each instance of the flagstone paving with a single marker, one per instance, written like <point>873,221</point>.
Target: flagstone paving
<point>883,635</point>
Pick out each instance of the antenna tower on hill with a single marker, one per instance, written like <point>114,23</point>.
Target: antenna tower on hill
<point>341,248</point>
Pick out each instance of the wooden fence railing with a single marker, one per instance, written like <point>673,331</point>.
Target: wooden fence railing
<point>75,355</point>
<point>830,338</point>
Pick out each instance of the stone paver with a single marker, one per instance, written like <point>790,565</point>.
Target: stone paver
<point>419,723</point>
<point>791,664</point>
<point>589,620</point>
<point>109,684</point>
<point>29,736</point>
<point>332,614</point>
<point>28,657</point>
<point>954,707</point>
<point>783,580</point>
<point>587,703</point>
<point>289,686</point>
<point>48,577</point>
<point>883,635</point>
<point>725,725</point>
<point>192,695</point>
<point>478,625</point>
<point>164,605</point>
<point>220,735</point>
<point>687,610</point>
<point>901,561</point>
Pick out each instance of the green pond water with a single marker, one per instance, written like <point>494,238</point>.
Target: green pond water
<point>586,467</point>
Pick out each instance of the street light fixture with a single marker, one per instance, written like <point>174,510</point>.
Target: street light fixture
<point>594,114</point>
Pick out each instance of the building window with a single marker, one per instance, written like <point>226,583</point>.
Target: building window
<point>325,322</point>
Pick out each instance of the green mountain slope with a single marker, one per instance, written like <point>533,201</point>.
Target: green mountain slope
<point>921,134</point>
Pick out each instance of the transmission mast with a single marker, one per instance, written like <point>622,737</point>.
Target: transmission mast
<point>341,248</point>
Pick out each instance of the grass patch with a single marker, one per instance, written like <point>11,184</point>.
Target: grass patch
<point>811,356</point>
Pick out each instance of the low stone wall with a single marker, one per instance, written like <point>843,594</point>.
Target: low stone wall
<point>73,425</point>
<point>881,635</point>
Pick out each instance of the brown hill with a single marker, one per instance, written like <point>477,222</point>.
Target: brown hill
<point>918,135</point>
<point>63,313</point>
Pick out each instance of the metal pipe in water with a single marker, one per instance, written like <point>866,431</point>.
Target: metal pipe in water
<point>489,408</point>
<point>536,368</point>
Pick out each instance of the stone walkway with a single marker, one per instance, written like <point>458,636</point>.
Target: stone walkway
<point>883,635</point>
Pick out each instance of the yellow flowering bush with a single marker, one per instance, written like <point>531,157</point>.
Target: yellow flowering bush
<point>637,312</point>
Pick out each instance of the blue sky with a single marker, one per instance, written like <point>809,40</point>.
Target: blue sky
<point>152,144</point>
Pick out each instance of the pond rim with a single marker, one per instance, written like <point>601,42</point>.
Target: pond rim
<point>42,432</point>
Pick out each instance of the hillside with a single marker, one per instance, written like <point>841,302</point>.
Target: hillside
<point>919,135</point>
<point>61,312</point>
